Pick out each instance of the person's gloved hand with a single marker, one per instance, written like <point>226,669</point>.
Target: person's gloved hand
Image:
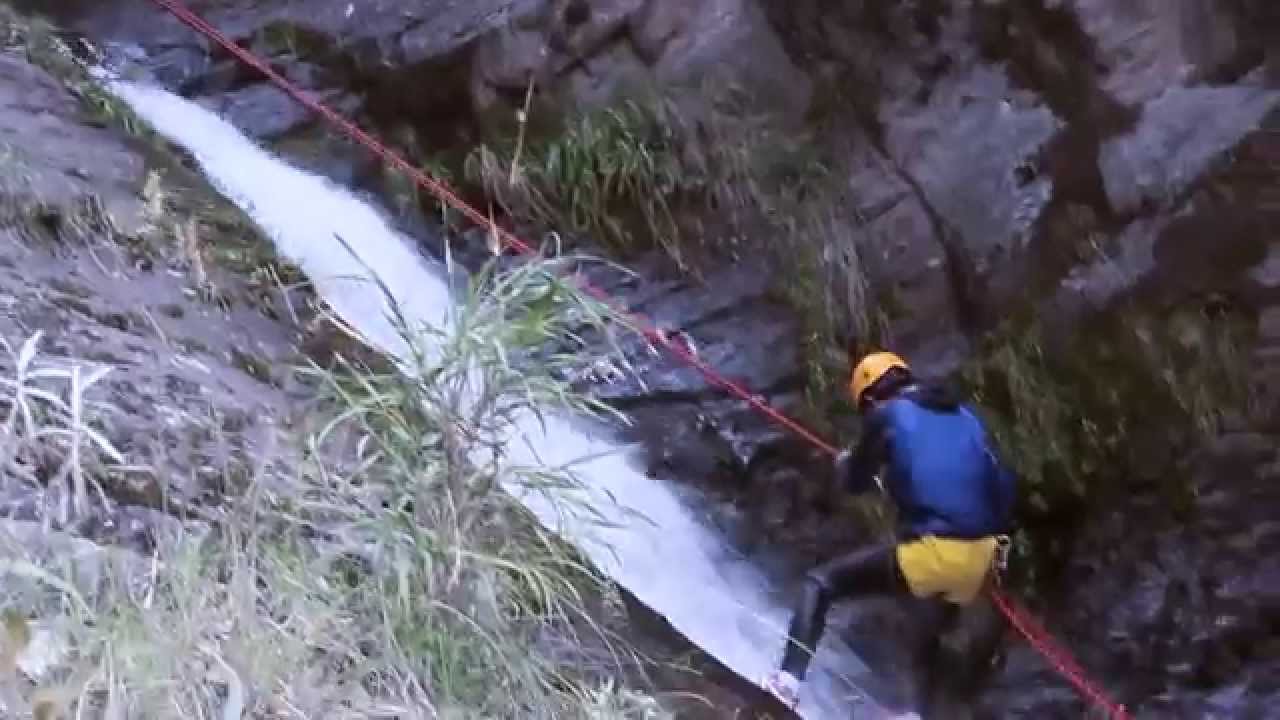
<point>841,466</point>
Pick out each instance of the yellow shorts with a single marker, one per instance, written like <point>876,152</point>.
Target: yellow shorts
<point>954,569</point>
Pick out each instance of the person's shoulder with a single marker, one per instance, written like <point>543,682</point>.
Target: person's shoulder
<point>934,395</point>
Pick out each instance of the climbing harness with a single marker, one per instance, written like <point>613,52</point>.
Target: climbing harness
<point>1000,563</point>
<point>1017,616</point>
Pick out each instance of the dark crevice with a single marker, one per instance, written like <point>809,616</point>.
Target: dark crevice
<point>1047,51</point>
<point>439,108</point>
<point>576,13</point>
<point>961,275</point>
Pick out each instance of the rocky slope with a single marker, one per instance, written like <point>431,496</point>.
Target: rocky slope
<point>90,261</point>
<point>1020,178</point>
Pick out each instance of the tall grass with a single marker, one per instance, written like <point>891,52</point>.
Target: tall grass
<point>647,173</point>
<point>383,574</point>
<point>613,175</point>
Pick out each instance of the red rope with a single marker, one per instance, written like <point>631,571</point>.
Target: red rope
<point>1040,639</point>
<point>1018,617</point>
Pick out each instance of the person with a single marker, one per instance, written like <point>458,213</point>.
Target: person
<point>955,501</point>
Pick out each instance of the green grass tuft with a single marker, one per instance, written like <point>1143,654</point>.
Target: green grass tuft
<point>612,175</point>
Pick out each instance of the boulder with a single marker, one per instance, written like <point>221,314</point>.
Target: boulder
<point>1181,133</point>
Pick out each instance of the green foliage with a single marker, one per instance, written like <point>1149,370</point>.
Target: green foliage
<point>644,175</point>
<point>439,169</point>
<point>639,176</point>
<point>826,284</point>
<point>1077,426</point>
<point>613,175</point>
<point>279,39</point>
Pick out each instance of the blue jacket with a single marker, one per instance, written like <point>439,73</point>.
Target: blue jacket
<point>940,468</point>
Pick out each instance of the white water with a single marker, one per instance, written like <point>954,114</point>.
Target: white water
<point>669,560</point>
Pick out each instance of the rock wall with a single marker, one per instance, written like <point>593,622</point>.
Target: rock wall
<point>1062,160</point>
<point>449,68</point>
<point>1072,161</point>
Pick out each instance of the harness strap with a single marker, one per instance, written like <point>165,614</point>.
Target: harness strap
<point>1000,561</point>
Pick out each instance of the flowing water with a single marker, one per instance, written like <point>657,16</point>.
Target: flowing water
<point>675,564</point>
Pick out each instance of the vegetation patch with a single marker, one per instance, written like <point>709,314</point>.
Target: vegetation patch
<point>376,566</point>
<point>614,176</point>
<point>373,566</point>
<point>189,225</point>
<point>642,174</point>
<point>1084,426</point>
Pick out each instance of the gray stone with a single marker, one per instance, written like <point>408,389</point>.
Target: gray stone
<point>262,111</point>
<point>1181,133</point>
<point>965,150</point>
<point>715,45</point>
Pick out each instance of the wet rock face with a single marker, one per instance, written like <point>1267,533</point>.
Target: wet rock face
<point>1178,625</point>
<point>1167,590</point>
<point>452,67</point>
<point>1020,156</point>
<point>990,138</point>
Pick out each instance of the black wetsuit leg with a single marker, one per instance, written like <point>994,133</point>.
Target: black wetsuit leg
<point>986,628</point>
<point>939,676</point>
<point>869,571</point>
<point>933,618</point>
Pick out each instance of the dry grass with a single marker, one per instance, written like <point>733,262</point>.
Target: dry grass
<point>385,575</point>
<point>45,433</point>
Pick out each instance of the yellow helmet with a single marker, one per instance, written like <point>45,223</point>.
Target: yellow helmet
<point>870,369</point>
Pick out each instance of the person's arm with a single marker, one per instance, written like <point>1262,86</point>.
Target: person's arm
<point>856,469</point>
